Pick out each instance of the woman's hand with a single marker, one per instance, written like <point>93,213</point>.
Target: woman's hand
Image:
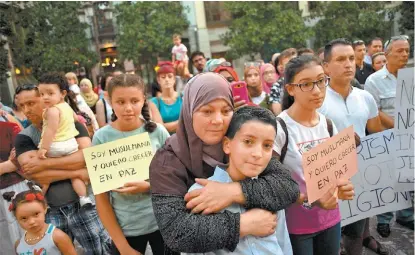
<point>238,104</point>
<point>346,189</point>
<point>330,200</point>
<point>134,188</point>
<point>212,198</point>
<point>258,222</point>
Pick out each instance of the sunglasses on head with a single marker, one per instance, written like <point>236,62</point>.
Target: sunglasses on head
<point>21,88</point>
<point>396,38</point>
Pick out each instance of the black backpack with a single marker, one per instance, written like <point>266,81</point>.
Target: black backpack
<point>284,128</point>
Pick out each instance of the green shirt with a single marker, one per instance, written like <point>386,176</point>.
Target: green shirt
<point>134,212</point>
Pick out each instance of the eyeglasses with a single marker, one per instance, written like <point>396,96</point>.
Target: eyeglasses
<point>25,87</point>
<point>254,64</point>
<point>309,86</point>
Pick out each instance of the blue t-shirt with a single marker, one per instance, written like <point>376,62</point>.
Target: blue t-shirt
<point>169,112</point>
<point>134,213</point>
<point>275,244</point>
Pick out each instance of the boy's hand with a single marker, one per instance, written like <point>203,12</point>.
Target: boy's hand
<point>41,153</point>
<point>346,189</point>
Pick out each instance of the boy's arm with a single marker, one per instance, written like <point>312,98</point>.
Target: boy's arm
<point>52,117</point>
<point>173,58</point>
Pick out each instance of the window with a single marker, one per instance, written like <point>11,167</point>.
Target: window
<point>216,13</point>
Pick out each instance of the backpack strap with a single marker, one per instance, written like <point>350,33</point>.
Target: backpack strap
<point>105,110</point>
<point>285,147</point>
<point>329,126</point>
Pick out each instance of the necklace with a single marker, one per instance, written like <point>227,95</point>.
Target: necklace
<point>29,240</point>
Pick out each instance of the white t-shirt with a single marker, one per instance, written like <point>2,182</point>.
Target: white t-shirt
<point>259,99</point>
<point>180,52</point>
<point>301,139</point>
<point>356,110</point>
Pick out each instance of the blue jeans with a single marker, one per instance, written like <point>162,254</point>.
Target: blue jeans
<point>405,215</point>
<point>84,225</point>
<point>325,242</point>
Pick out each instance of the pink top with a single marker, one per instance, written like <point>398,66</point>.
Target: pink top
<point>301,220</point>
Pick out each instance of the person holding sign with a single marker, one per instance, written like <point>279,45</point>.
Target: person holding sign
<point>347,106</point>
<point>193,153</point>
<point>126,212</point>
<point>382,85</point>
<point>248,143</point>
<point>314,229</point>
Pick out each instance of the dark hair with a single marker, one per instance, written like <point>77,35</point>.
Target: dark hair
<point>250,113</point>
<point>329,47</point>
<point>302,51</point>
<point>34,193</point>
<point>58,79</point>
<point>374,39</point>
<point>132,80</point>
<point>294,66</point>
<point>284,54</point>
<point>197,53</point>
<point>155,87</point>
<point>104,80</point>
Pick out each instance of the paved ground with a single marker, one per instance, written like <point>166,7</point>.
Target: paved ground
<point>400,242</point>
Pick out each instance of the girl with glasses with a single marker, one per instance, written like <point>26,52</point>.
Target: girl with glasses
<point>314,229</point>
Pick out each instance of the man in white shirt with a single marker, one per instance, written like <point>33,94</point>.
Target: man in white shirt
<point>382,86</point>
<point>346,106</point>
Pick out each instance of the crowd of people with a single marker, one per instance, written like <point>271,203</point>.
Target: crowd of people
<point>227,174</point>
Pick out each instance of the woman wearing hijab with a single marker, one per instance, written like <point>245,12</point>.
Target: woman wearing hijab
<point>88,93</point>
<point>190,156</point>
<point>256,90</point>
<point>268,76</point>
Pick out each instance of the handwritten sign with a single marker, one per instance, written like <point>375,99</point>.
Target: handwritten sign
<point>374,183</point>
<point>404,129</point>
<point>334,159</point>
<point>112,164</point>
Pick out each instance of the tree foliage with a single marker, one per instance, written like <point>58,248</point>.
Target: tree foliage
<point>47,36</point>
<point>351,20</point>
<point>146,29</point>
<point>264,28</point>
<point>406,21</point>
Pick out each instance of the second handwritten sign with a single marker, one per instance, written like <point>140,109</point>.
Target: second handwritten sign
<point>334,159</point>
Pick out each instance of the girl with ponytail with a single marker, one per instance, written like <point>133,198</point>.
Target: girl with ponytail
<point>127,212</point>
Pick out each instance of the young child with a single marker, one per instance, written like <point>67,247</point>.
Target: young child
<point>127,212</point>
<point>58,132</point>
<point>29,207</point>
<point>249,144</point>
<point>179,57</point>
